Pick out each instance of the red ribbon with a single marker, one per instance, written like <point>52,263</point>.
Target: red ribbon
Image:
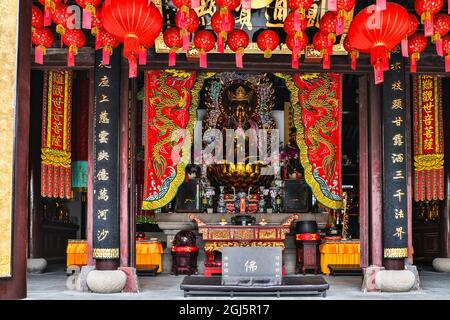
<point>413,66</point>
<point>133,66</point>
<point>186,38</point>
<point>71,58</point>
<point>405,47</point>
<point>172,58</point>
<point>326,61</point>
<point>239,63</point>
<point>428,25</point>
<point>447,63</point>
<point>203,60</point>
<point>294,61</point>
<point>439,50</point>
<point>142,56</point>
<point>87,19</point>
<point>340,25</point>
<point>38,55</point>
<point>106,56</point>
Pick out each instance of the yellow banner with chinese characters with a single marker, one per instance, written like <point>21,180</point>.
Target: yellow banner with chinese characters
<point>428,139</point>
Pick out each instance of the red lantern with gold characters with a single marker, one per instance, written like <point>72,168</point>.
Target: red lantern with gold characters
<point>416,44</point>
<point>320,42</point>
<point>42,38</point>
<point>328,25</point>
<point>238,40</point>
<point>187,26</point>
<point>300,7</point>
<point>293,28</point>
<point>426,9</point>
<point>343,8</point>
<point>74,39</point>
<point>204,41</point>
<point>49,7</point>
<point>378,33</point>
<point>184,7</point>
<point>135,23</point>
<point>296,45</point>
<point>37,18</point>
<point>354,54</point>
<point>108,43</point>
<point>221,28</point>
<point>173,39</point>
<point>446,50</point>
<point>89,9</point>
<point>412,28</point>
<point>267,41</point>
<point>441,27</point>
<point>59,17</point>
<point>225,8</point>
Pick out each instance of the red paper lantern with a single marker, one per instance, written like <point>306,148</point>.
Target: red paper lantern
<point>222,28</point>
<point>59,17</point>
<point>328,25</point>
<point>74,39</point>
<point>441,27</point>
<point>446,50</point>
<point>136,23</point>
<point>426,9</point>
<point>267,41</point>
<point>238,40</point>
<point>296,45</point>
<point>173,39</point>
<point>42,38</point>
<point>204,41</point>
<point>343,8</point>
<point>378,33</point>
<point>291,26</point>
<point>187,25</point>
<point>108,43</point>
<point>49,7</point>
<point>300,6</point>
<point>89,9</point>
<point>416,44</point>
<point>354,54</point>
<point>37,18</point>
<point>96,26</point>
<point>320,42</point>
<point>412,28</point>
<point>228,4</point>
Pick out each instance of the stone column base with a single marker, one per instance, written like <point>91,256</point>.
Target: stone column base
<point>369,284</point>
<point>441,264</point>
<point>113,281</point>
<point>395,280</point>
<point>132,283</point>
<point>36,265</point>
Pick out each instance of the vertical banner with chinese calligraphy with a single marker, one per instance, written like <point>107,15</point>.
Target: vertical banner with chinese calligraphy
<point>169,119</point>
<point>428,139</point>
<point>395,222</point>
<point>56,135</point>
<point>105,158</point>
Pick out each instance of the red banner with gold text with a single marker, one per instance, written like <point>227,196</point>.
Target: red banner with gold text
<point>56,135</point>
<point>428,139</point>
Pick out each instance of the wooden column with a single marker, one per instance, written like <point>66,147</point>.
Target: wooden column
<point>364,191</point>
<point>409,159</point>
<point>445,219</point>
<point>90,186</point>
<point>376,173</point>
<point>15,96</point>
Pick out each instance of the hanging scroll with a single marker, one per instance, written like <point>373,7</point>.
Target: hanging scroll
<point>105,157</point>
<point>318,119</point>
<point>428,139</point>
<point>167,109</point>
<point>395,175</point>
<point>56,135</point>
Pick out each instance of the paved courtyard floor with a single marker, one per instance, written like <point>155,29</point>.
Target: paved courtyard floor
<point>52,286</point>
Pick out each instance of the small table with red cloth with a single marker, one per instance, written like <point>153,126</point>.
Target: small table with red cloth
<point>307,252</point>
<point>339,253</point>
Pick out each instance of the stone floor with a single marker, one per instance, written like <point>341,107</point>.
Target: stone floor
<point>51,286</point>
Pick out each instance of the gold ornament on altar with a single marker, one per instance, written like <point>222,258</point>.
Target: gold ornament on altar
<point>240,95</point>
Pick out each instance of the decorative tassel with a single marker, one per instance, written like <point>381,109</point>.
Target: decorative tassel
<point>326,63</point>
<point>186,38</point>
<point>340,25</point>
<point>47,16</point>
<point>142,56</point>
<point>413,66</point>
<point>439,50</point>
<point>405,47</point>
<point>220,44</point>
<point>239,63</point>
<point>131,45</point>
<point>332,5</point>
<point>379,73</point>
<point>330,44</point>
<point>267,53</point>
<point>353,62</point>
<point>39,52</point>
<point>172,58</point>
<point>427,20</point>
<point>294,61</point>
<point>447,63</point>
<point>60,29</point>
<point>381,5</point>
<point>203,59</point>
<point>133,66</point>
<point>87,19</point>
<point>71,56</point>
<point>195,3</point>
<point>246,4</point>
<point>106,56</point>
<point>98,42</point>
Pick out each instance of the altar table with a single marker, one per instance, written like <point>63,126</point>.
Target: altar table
<point>339,253</point>
<point>147,253</point>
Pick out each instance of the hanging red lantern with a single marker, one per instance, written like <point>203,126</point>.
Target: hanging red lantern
<point>74,39</point>
<point>343,8</point>
<point>238,40</point>
<point>204,41</point>
<point>59,17</point>
<point>292,28</point>
<point>267,41</point>
<point>37,18</point>
<point>226,8</point>
<point>228,4</point>
<point>184,7</point>
<point>89,9</point>
<point>354,54</point>
<point>296,45</point>
<point>173,39</point>
<point>328,25</point>
<point>412,28</point>
<point>221,28</point>
<point>446,50</point>
<point>320,42</point>
<point>300,7</point>
<point>441,27</point>
<point>135,23</point>
<point>108,43</point>
<point>42,38</point>
<point>378,33</point>
<point>96,26</point>
<point>416,44</point>
<point>49,7</point>
<point>187,26</point>
<point>426,9</point>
